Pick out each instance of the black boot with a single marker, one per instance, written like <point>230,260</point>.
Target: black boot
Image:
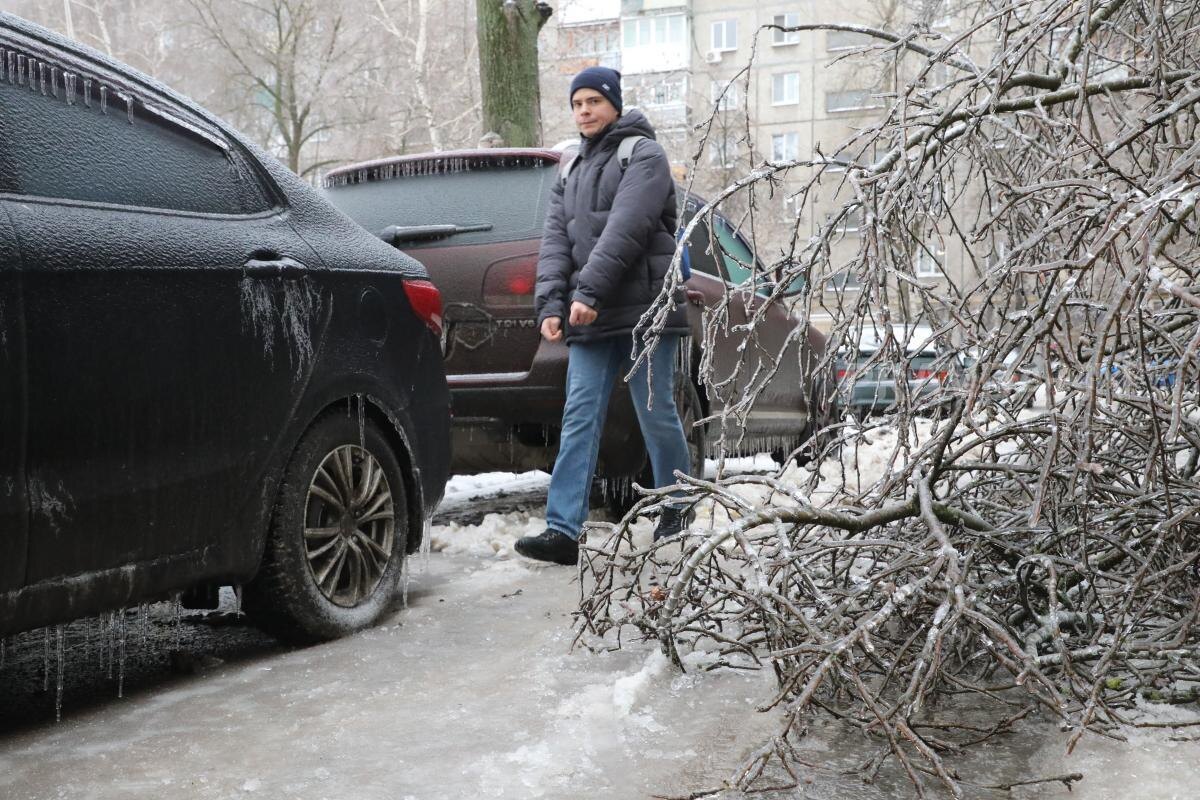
<point>672,521</point>
<point>550,545</point>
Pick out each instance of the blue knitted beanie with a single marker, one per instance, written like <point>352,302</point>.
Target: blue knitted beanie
<point>604,80</point>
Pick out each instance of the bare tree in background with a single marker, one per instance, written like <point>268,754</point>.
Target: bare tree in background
<point>293,60</point>
<point>1008,559</point>
<point>437,73</point>
<point>141,33</point>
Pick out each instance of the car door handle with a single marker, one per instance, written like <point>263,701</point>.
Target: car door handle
<point>285,267</point>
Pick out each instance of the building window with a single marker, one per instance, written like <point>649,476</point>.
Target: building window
<point>793,204</point>
<point>659,30</point>
<point>851,221</point>
<point>846,40</point>
<point>846,280</point>
<point>636,32</point>
<point>723,150</point>
<point>785,146</point>
<point>663,93</point>
<point>850,100</point>
<point>834,165</point>
<point>724,95</point>
<point>592,40</point>
<point>724,35</point>
<point>785,89</point>
<point>929,260</point>
<point>789,20</point>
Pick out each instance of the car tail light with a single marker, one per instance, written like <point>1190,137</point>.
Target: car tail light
<point>426,302</point>
<point>928,373</point>
<point>842,373</point>
<point>511,282</point>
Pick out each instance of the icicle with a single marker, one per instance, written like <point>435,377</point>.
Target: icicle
<point>20,70</point>
<point>237,600</point>
<point>144,622</point>
<point>69,79</point>
<point>42,78</point>
<point>121,653</point>
<point>177,609</point>
<point>362,424</point>
<point>58,693</point>
<point>45,659</point>
<point>103,99</point>
<point>110,642</point>
<point>87,92</point>
<point>404,577</point>
<point>127,99</point>
<point>54,81</point>
<point>426,545</point>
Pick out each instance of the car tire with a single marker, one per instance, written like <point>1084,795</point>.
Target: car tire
<point>806,455</point>
<point>337,537</point>
<point>687,402</point>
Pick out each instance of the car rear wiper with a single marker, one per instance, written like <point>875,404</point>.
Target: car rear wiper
<point>417,233</point>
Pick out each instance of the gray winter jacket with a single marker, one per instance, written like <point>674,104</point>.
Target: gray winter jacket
<point>609,235</point>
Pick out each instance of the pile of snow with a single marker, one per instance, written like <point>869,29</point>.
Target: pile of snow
<point>494,536</point>
<point>469,487</point>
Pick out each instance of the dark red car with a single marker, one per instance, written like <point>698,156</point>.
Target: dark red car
<point>474,218</point>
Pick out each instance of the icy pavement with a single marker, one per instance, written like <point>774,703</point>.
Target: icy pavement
<point>474,691</point>
<point>471,692</point>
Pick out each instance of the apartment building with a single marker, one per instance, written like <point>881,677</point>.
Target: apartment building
<point>716,83</point>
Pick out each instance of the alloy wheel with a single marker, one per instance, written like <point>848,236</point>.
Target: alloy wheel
<point>349,525</point>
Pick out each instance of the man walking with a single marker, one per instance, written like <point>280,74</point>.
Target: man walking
<point>606,248</point>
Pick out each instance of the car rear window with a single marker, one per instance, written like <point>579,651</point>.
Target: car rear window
<point>509,197</point>
<point>72,137</point>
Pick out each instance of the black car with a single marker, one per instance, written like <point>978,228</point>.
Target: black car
<point>208,375</point>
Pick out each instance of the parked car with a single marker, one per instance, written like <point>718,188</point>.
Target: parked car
<point>208,375</point>
<point>474,218</point>
<point>1017,376</point>
<point>867,378</point>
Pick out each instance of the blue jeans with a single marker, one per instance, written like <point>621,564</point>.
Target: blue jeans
<point>592,368</point>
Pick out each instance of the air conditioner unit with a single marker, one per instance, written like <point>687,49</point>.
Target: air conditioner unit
<point>713,56</point>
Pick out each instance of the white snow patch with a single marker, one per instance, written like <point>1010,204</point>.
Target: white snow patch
<point>494,536</point>
<point>469,487</point>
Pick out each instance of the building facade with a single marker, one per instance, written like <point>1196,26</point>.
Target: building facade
<point>727,94</point>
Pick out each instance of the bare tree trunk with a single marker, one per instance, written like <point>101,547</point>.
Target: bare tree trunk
<point>69,21</point>
<point>422,87</point>
<point>420,62</point>
<point>508,75</point>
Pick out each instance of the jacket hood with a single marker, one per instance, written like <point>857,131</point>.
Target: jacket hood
<point>631,123</point>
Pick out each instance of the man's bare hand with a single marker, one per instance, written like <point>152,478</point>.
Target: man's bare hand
<point>582,314</point>
<point>552,329</point>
